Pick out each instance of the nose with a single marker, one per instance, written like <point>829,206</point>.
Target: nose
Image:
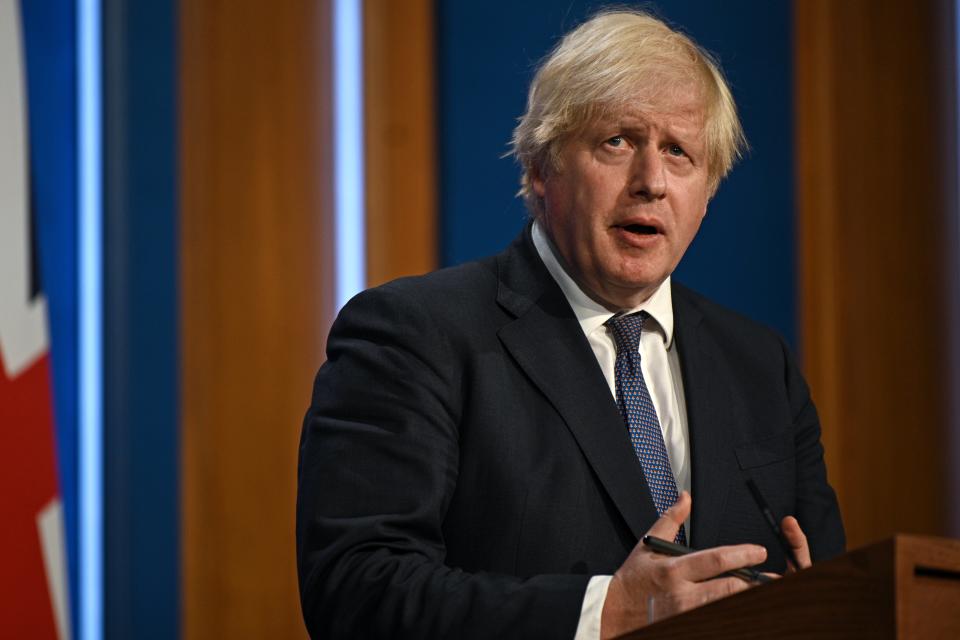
<point>648,180</point>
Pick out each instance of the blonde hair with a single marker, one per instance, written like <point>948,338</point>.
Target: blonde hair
<point>615,59</point>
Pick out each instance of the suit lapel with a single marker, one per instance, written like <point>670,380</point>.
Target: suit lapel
<point>709,421</point>
<point>548,344</point>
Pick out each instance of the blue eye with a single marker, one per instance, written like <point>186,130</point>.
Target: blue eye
<point>615,141</point>
<point>675,150</point>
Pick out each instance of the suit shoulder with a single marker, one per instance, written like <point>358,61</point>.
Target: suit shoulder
<point>734,327</point>
<point>752,350</point>
<point>470,277</point>
<point>448,296</point>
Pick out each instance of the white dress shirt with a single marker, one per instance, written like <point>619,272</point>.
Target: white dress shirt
<point>661,372</point>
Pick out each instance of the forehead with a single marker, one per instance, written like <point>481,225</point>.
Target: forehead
<point>679,104</point>
<point>683,120</point>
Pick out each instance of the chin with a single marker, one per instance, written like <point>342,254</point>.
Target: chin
<point>640,281</point>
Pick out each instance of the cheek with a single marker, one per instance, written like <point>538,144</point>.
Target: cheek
<point>692,211</point>
<point>595,202</point>
<point>696,218</point>
<point>690,228</point>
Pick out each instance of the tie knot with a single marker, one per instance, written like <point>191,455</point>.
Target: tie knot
<point>627,330</point>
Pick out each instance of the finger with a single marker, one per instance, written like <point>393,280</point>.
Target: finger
<point>798,541</point>
<point>704,592</point>
<point>710,563</point>
<point>668,524</point>
<point>697,595</point>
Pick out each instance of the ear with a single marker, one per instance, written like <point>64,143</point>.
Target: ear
<point>706,202</point>
<point>537,181</point>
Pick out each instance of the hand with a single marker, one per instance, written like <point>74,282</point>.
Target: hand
<point>678,583</point>
<point>798,540</point>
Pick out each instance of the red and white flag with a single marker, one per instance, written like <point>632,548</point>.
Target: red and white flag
<point>33,577</point>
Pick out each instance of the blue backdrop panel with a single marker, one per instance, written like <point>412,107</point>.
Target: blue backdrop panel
<point>744,256</point>
<point>141,405</point>
<point>50,52</point>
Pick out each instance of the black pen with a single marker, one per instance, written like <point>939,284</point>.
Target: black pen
<point>772,521</point>
<point>665,547</point>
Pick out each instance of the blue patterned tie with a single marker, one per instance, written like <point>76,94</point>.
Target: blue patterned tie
<point>635,404</point>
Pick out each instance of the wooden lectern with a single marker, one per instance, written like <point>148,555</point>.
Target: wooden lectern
<point>905,587</point>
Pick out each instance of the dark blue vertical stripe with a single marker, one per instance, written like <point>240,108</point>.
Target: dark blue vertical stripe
<point>141,401</point>
<point>744,256</point>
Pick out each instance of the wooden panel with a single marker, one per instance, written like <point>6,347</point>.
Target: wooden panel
<point>904,587</point>
<point>928,587</point>
<point>400,154</point>
<point>256,304</point>
<point>873,216</point>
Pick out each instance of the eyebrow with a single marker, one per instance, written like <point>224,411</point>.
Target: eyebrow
<point>685,134</point>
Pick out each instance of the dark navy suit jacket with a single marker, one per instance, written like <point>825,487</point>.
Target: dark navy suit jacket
<point>464,469</point>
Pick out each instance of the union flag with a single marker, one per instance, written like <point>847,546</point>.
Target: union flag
<point>33,580</point>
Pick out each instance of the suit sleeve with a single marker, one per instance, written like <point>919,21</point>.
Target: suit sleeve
<point>817,510</point>
<point>378,467</point>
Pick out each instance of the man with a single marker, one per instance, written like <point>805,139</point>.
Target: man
<point>487,443</point>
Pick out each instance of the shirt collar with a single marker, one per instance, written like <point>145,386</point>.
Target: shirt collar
<point>591,313</point>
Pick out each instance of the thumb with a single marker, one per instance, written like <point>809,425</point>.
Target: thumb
<point>667,526</point>
<point>798,540</point>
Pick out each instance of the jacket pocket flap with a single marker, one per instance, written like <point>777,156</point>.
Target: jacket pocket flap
<point>766,451</point>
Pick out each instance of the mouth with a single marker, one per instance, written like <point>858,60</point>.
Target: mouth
<point>640,229</point>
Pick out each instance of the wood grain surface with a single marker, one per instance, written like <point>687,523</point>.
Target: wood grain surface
<point>874,184</point>
<point>870,593</point>
<point>256,300</point>
<point>400,134</point>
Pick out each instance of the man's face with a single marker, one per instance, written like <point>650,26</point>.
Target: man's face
<point>627,200</point>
